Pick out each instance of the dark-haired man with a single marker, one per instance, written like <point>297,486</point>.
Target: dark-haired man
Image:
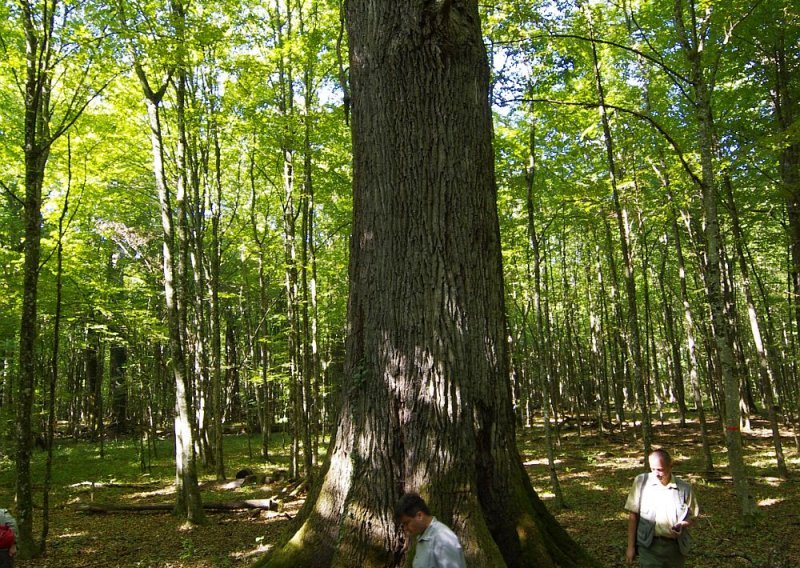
<point>661,508</point>
<point>437,545</point>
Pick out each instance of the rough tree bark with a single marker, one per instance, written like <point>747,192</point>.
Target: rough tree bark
<point>426,399</point>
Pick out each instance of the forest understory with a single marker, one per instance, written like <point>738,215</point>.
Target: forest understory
<point>595,471</point>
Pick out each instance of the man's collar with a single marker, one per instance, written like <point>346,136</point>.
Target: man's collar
<point>428,532</point>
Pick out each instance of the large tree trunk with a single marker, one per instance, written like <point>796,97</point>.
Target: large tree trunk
<point>786,100</point>
<point>426,400</point>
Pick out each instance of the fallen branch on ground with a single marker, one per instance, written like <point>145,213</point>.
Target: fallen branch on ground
<point>262,504</point>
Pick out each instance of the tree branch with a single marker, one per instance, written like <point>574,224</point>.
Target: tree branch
<point>13,195</point>
<point>647,118</point>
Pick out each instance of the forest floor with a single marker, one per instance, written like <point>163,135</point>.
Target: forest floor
<point>595,471</point>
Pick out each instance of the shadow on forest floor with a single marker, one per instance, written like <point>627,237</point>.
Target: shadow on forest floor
<point>595,471</point>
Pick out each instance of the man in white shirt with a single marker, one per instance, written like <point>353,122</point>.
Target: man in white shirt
<point>661,508</point>
<point>437,545</point>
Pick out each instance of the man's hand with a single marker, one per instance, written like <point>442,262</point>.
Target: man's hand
<point>630,554</point>
<point>12,552</point>
<point>677,528</point>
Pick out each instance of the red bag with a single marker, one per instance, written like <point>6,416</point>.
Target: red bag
<point>7,538</point>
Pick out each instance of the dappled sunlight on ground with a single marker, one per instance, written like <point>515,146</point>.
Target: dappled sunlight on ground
<point>252,554</point>
<point>769,502</point>
<point>542,461</point>
<point>71,535</point>
<point>169,490</point>
<point>595,472</point>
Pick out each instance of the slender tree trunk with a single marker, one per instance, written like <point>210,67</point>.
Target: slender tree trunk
<point>188,503</point>
<point>266,406</point>
<point>544,371</point>
<point>232,377</point>
<point>635,347</point>
<point>214,282</point>
<point>652,377</point>
<point>672,339</point>
<point>37,151</point>
<point>765,370</point>
<point>312,365</point>
<point>118,358</point>
<point>691,343</point>
<point>53,375</point>
<point>94,381</point>
<point>610,339</point>
<point>615,326</point>
<point>692,47</point>
<point>598,354</point>
<point>292,289</point>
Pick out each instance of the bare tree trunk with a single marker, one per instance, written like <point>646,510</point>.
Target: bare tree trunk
<point>786,100</point>
<point>284,30</point>
<point>635,347</point>
<point>692,47</point>
<point>765,370</point>
<point>37,151</point>
<point>94,382</point>
<point>615,326</point>
<point>544,368</point>
<point>215,318</point>
<point>672,339</point>
<point>598,353</point>
<point>691,343</point>
<point>311,372</point>
<point>652,377</point>
<point>53,375</point>
<point>264,390</point>
<point>188,502</point>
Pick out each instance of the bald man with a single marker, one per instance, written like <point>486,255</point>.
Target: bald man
<point>661,508</point>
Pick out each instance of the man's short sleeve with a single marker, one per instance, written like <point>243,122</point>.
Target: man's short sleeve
<point>634,495</point>
<point>447,551</point>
